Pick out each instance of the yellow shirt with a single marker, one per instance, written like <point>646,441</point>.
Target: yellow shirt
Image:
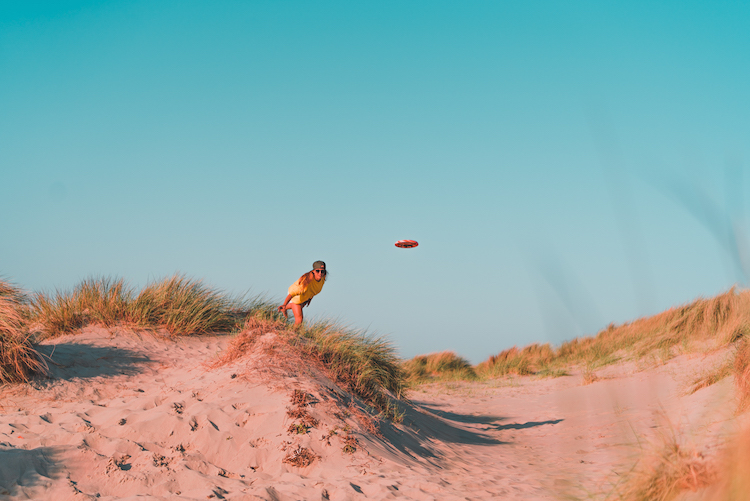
<point>302,293</point>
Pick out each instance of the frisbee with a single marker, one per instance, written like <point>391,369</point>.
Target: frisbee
<point>406,244</point>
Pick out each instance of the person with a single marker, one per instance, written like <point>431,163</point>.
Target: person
<point>302,291</point>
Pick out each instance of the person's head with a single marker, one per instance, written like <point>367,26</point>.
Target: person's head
<point>318,273</point>
<point>319,270</point>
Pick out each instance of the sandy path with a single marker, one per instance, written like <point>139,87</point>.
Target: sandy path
<point>143,418</point>
<point>566,439</point>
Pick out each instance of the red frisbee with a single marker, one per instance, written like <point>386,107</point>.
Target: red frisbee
<point>406,244</point>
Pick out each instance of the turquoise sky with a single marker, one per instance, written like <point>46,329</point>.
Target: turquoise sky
<point>563,165</point>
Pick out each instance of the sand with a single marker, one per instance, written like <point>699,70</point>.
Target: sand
<point>137,416</point>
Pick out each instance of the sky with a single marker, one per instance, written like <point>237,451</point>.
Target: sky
<point>563,165</point>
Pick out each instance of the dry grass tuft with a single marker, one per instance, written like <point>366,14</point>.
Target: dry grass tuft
<point>304,417</point>
<point>19,361</point>
<point>300,457</point>
<point>299,398</point>
<point>184,307</point>
<point>589,376</point>
<point>443,366</point>
<point>297,429</point>
<point>671,469</point>
<point>350,444</point>
<point>523,362</point>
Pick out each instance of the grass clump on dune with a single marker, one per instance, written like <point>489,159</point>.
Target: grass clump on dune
<point>183,306</point>
<point>365,365</point>
<point>526,361</point>
<point>104,301</point>
<point>443,366</point>
<point>669,469</point>
<point>178,304</point>
<point>19,361</point>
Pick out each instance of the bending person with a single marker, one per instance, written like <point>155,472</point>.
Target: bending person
<point>302,291</point>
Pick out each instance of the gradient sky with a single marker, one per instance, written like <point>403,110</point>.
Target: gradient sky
<point>563,165</point>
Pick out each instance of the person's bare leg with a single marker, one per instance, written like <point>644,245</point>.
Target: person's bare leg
<point>297,310</point>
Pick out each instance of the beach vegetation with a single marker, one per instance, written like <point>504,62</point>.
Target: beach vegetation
<point>365,365</point>
<point>180,305</point>
<point>668,469</point>
<point>19,360</point>
<point>702,325</point>
<point>523,362</point>
<point>443,366</point>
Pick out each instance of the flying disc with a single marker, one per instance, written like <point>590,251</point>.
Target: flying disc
<point>406,244</point>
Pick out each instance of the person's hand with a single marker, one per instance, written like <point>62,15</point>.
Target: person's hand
<point>281,308</point>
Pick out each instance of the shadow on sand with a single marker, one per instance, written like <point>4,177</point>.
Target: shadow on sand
<point>421,428</point>
<point>67,361</point>
<point>27,469</point>
<point>423,425</point>
<point>460,418</point>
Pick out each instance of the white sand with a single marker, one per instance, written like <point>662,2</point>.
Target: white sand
<point>127,416</point>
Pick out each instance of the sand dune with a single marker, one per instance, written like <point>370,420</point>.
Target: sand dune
<point>139,416</point>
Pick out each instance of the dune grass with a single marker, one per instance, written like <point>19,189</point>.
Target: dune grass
<point>19,361</point>
<point>701,325</point>
<point>365,365</point>
<point>178,304</point>
<point>183,307</point>
<point>443,366</point>
<point>670,468</point>
<point>529,360</point>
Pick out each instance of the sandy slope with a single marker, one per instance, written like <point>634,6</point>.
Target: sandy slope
<point>128,416</point>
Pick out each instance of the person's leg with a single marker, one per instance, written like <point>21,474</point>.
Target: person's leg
<point>297,310</point>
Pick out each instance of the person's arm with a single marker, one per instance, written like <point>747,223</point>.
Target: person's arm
<point>286,301</point>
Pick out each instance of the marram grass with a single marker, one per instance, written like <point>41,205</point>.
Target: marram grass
<point>702,325</point>
<point>443,366</point>
<point>367,365</point>
<point>19,361</point>
<point>670,468</point>
<point>362,364</point>
<point>181,305</point>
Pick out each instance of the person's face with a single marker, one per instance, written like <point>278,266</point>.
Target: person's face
<point>319,274</point>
